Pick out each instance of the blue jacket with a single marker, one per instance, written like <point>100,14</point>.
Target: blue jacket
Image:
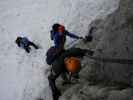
<point>24,42</point>
<point>58,39</point>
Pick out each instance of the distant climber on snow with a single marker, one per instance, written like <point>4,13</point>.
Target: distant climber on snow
<point>67,63</point>
<point>58,35</point>
<point>25,43</point>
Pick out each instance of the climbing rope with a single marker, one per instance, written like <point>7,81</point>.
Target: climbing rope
<point>112,60</point>
<point>72,43</point>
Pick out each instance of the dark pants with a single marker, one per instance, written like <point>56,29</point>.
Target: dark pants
<point>58,68</point>
<point>27,48</point>
<point>51,78</point>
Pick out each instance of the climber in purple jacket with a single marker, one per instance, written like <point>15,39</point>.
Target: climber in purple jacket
<point>58,35</point>
<point>25,43</point>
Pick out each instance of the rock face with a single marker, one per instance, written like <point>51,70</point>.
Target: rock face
<point>113,38</point>
<point>116,42</point>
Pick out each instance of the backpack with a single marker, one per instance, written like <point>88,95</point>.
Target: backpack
<point>51,55</point>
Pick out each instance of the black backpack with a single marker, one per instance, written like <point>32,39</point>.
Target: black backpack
<point>51,55</point>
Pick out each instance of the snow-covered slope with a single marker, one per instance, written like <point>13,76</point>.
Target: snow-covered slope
<point>109,76</point>
<point>22,75</point>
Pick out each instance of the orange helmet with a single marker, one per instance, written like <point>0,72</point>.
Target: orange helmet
<point>72,64</point>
